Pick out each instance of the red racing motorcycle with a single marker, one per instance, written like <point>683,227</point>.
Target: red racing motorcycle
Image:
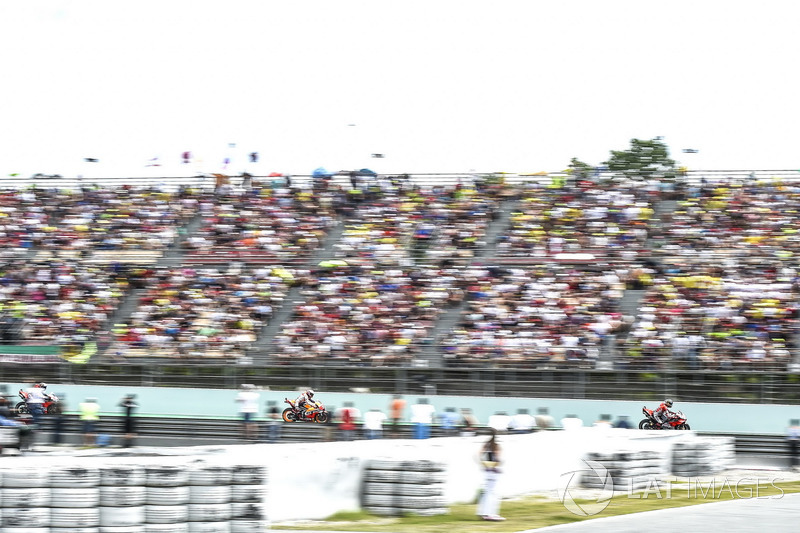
<point>676,421</point>
<point>51,406</point>
<point>314,412</point>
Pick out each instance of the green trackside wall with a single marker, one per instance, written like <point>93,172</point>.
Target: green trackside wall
<point>219,403</point>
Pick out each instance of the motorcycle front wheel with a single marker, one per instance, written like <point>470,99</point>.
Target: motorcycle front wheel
<point>22,408</point>
<point>321,418</point>
<point>54,409</point>
<point>645,424</point>
<point>288,415</point>
<point>684,426</point>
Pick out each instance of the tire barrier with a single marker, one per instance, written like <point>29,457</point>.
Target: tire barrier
<point>622,470</point>
<point>163,495</point>
<point>703,456</point>
<point>397,488</point>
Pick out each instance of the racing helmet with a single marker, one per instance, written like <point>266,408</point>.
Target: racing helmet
<point>310,393</point>
<point>668,402</point>
<point>40,385</point>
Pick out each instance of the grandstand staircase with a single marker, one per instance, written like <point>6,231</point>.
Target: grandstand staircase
<point>631,298</point>
<point>431,354</point>
<point>172,257</point>
<point>175,254</point>
<point>496,228</point>
<point>261,350</point>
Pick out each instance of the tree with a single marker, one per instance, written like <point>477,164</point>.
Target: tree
<point>644,159</point>
<point>579,169</point>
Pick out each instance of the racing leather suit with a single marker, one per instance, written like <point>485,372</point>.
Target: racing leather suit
<point>662,415</point>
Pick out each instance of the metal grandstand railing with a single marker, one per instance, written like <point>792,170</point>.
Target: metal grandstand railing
<point>634,385</point>
<point>690,177</point>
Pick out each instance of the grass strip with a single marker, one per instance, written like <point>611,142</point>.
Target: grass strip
<point>533,512</point>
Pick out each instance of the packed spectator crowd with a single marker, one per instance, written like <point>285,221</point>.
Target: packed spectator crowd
<point>65,302</point>
<point>202,312</point>
<point>726,295</point>
<point>365,315</point>
<point>718,272</point>
<point>279,223</point>
<point>550,315</point>
<point>586,218</point>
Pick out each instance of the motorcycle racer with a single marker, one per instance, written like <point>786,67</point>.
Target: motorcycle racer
<point>303,402</point>
<point>663,413</point>
<point>35,398</point>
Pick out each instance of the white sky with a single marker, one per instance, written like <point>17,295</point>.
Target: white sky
<point>438,86</point>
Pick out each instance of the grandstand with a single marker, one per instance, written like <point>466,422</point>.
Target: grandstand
<point>435,283</point>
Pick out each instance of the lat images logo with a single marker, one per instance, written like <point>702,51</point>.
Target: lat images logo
<point>597,476</point>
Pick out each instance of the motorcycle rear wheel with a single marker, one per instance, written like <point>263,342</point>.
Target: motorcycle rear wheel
<point>321,418</point>
<point>22,408</point>
<point>645,424</point>
<point>288,415</point>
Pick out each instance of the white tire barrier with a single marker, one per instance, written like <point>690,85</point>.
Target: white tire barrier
<point>74,517</point>
<point>209,512</point>
<point>402,489</point>
<point>25,478</point>
<point>166,528</point>
<point>247,526</point>
<point>123,496</point>
<point>122,475</point>
<point>74,477</point>
<point>84,497</point>
<point>396,488</point>
<point>163,496</point>
<point>703,456</point>
<point>166,514</point>
<point>624,470</point>
<point>26,517</point>
<point>248,511</point>
<point>208,494</point>
<point>166,476</point>
<point>201,473</point>
<point>167,495</point>
<point>122,516</point>
<point>209,527</point>
<point>248,493</point>
<point>249,475</point>
<point>36,497</point>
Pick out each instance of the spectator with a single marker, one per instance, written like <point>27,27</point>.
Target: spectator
<point>622,422</point>
<point>89,415</point>
<point>128,404</point>
<point>35,402</point>
<point>422,417</point>
<point>469,423</point>
<point>522,422</point>
<point>397,409</point>
<point>59,419</point>
<point>490,459</point>
<point>449,422</point>
<point>347,416</point>
<point>248,400</point>
<point>373,423</point>
<point>499,422</point>
<point>274,422</point>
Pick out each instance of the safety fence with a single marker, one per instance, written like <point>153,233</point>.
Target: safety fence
<point>207,181</point>
<point>701,386</point>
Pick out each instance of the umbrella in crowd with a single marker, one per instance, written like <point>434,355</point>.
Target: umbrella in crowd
<point>321,173</point>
